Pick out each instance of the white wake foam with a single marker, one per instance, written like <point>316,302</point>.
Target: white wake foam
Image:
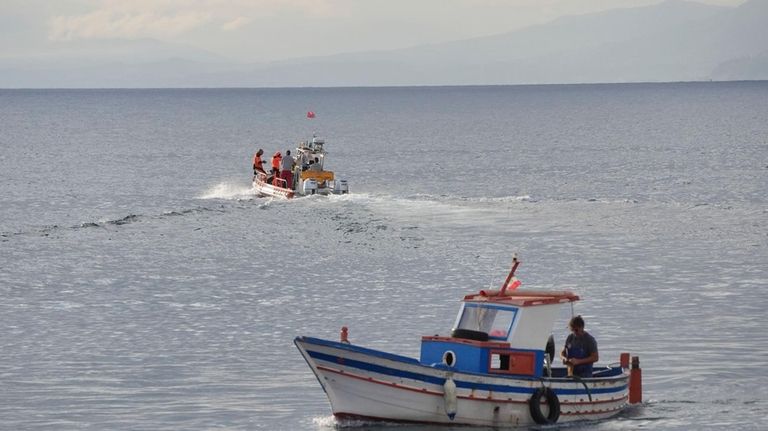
<point>229,190</point>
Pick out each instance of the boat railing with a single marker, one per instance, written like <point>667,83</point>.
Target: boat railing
<point>279,182</point>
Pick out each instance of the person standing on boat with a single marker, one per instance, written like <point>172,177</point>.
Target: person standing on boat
<point>286,169</point>
<point>275,162</point>
<point>580,350</point>
<point>258,164</point>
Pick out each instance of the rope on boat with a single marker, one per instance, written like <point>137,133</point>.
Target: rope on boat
<point>580,380</point>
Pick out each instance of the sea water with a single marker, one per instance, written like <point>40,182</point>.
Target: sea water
<point>145,287</point>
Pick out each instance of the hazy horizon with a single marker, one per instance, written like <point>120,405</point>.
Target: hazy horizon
<point>273,30</point>
<point>329,43</point>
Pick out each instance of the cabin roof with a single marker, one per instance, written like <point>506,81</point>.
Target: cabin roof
<point>523,298</point>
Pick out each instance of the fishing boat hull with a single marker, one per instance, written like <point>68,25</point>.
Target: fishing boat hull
<point>371,384</point>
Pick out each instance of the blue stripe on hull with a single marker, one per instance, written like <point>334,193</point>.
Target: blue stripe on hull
<point>379,369</point>
<point>358,349</point>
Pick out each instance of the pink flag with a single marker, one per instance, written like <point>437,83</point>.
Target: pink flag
<point>310,114</point>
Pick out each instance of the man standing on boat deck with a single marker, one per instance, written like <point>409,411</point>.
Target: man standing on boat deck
<point>286,166</point>
<point>580,350</point>
<point>258,166</point>
<point>275,162</point>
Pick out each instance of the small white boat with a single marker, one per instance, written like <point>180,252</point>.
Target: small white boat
<point>308,178</point>
<point>492,371</point>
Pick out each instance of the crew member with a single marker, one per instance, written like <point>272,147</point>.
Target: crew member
<point>286,172</point>
<point>258,164</point>
<point>276,161</point>
<point>580,350</point>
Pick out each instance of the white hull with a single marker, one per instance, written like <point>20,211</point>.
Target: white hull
<point>263,188</point>
<point>366,383</point>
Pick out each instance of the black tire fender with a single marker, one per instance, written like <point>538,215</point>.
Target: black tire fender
<point>469,334</point>
<point>552,402</point>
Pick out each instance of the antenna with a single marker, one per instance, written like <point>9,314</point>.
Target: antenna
<point>491,276</point>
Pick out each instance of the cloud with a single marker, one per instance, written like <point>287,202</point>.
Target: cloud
<point>108,24</point>
<point>168,18</point>
<point>235,23</point>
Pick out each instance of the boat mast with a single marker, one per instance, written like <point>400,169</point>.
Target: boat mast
<point>515,264</point>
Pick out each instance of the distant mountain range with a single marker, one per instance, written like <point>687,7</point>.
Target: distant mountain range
<point>671,41</point>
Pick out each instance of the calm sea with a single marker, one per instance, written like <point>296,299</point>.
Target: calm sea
<point>144,287</point>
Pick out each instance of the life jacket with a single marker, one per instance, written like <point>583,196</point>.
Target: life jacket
<point>276,160</point>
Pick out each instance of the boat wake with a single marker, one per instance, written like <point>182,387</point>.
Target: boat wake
<point>332,423</point>
<point>325,422</point>
<point>229,190</point>
<point>101,224</point>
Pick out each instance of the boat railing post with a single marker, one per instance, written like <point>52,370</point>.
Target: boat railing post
<point>635,382</point>
<point>624,360</point>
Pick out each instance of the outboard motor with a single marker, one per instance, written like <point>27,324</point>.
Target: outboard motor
<point>310,186</point>
<point>340,187</point>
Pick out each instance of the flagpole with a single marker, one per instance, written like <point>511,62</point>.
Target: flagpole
<point>311,116</point>
<point>515,264</point>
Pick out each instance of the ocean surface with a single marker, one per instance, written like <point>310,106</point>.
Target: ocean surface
<point>144,287</point>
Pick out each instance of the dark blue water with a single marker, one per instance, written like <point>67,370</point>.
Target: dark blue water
<point>144,287</point>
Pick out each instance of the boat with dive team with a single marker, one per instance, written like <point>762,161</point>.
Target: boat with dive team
<point>308,176</point>
<point>495,369</point>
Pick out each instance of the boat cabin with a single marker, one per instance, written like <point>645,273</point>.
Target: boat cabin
<point>309,150</point>
<point>498,332</point>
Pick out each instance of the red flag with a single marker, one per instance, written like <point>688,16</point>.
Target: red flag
<point>514,284</point>
<point>310,114</point>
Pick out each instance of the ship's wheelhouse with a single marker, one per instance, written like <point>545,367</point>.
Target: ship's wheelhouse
<point>496,333</point>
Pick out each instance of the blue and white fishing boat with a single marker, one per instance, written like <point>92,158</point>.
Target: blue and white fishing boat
<point>495,369</point>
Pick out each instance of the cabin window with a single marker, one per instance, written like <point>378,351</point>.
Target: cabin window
<point>493,320</point>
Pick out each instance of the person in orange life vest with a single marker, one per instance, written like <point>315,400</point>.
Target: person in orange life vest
<point>275,176</point>
<point>286,166</point>
<point>580,350</point>
<point>276,161</point>
<point>258,164</point>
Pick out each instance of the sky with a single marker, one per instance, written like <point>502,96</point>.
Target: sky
<point>251,31</point>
